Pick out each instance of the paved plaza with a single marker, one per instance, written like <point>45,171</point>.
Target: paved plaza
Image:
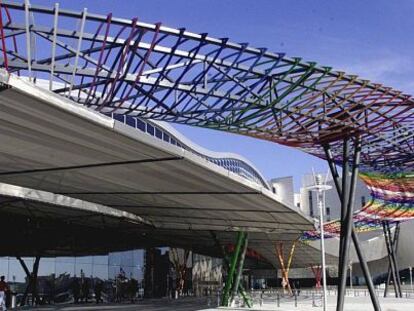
<point>184,304</point>
<point>358,302</point>
<point>351,304</point>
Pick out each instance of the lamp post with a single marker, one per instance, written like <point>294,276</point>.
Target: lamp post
<point>320,188</point>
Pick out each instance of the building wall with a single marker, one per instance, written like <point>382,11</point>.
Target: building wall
<point>284,190</point>
<point>308,200</point>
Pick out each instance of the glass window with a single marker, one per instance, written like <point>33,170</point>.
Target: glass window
<point>86,268</point>
<point>158,133</point>
<point>84,259</point>
<point>100,271</point>
<point>65,260</point>
<point>130,121</point>
<point>100,260</point>
<point>65,268</point>
<point>141,125</point>
<point>150,129</point>
<point>114,259</point>
<point>119,117</point>
<point>46,266</point>
<point>15,270</point>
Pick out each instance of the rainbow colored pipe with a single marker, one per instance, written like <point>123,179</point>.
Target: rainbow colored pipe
<point>392,199</point>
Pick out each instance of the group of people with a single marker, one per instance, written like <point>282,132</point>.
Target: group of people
<point>120,290</point>
<point>124,288</point>
<point>80,290</point>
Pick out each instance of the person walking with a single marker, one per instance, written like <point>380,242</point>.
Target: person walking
<point>76,290</point>
<point>98,291</point>
<point>3,290</point>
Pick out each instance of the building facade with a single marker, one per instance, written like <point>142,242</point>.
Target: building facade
<point>308,201</point>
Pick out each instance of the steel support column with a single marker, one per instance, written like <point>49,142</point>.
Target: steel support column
<point>348,196</point>
<point>393,270</point>
<point>285,267</point>
<point>344,213</point>
<point>247,300</point>
<point>365,271</point>
<point>32,280</point>
<point>317,272</point>
<point>391,263</point>
<point>232,269</point>
<point>394,246</point>
<point>344,200</point>
<point>239,269</point>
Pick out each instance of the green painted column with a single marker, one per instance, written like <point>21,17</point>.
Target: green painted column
<point>232,269</point>
<point>236,285</point>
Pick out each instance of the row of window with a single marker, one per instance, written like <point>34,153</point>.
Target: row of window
<point>232,165</point>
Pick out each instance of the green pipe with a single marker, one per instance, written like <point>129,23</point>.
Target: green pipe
<point>230,275</point>
<point>247,300</point>
<point>239,273</point>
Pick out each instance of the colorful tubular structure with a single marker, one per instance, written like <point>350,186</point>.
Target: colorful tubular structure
<point>392,200</point>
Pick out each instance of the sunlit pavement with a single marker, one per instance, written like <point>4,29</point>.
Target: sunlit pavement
<point>305,303</point>
<point>182,304</point>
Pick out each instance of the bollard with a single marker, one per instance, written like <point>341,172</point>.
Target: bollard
<point>296,298</point>
<point>313,300</point>
<point>13,301</point>
<point>218,298</point>
<point>261,299</point>
<point>278,299</point>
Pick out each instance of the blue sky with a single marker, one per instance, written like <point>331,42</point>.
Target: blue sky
<point>370,38</point>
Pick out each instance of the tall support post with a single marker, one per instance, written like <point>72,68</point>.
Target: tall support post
<point>232,269</point>
<point>391,263</point>
<point>317,273</point>
<point>348,196</point>
<point>285,268</point>
<point>32,279</point>
<point>344,199</point>
<point>35,274</point>
<point>52,64</point>
<point>239,269</point>
<point>365,271</point>
<point>29,278</point>
<point>392,247</point>
<point>28,47</point>
<point>390,270</point>
<point>339,187</point>
<point>319,187</point>
<point>247,300</point>
<point>387,283</point>
<point>394,252</point>
<point>321,204</point>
